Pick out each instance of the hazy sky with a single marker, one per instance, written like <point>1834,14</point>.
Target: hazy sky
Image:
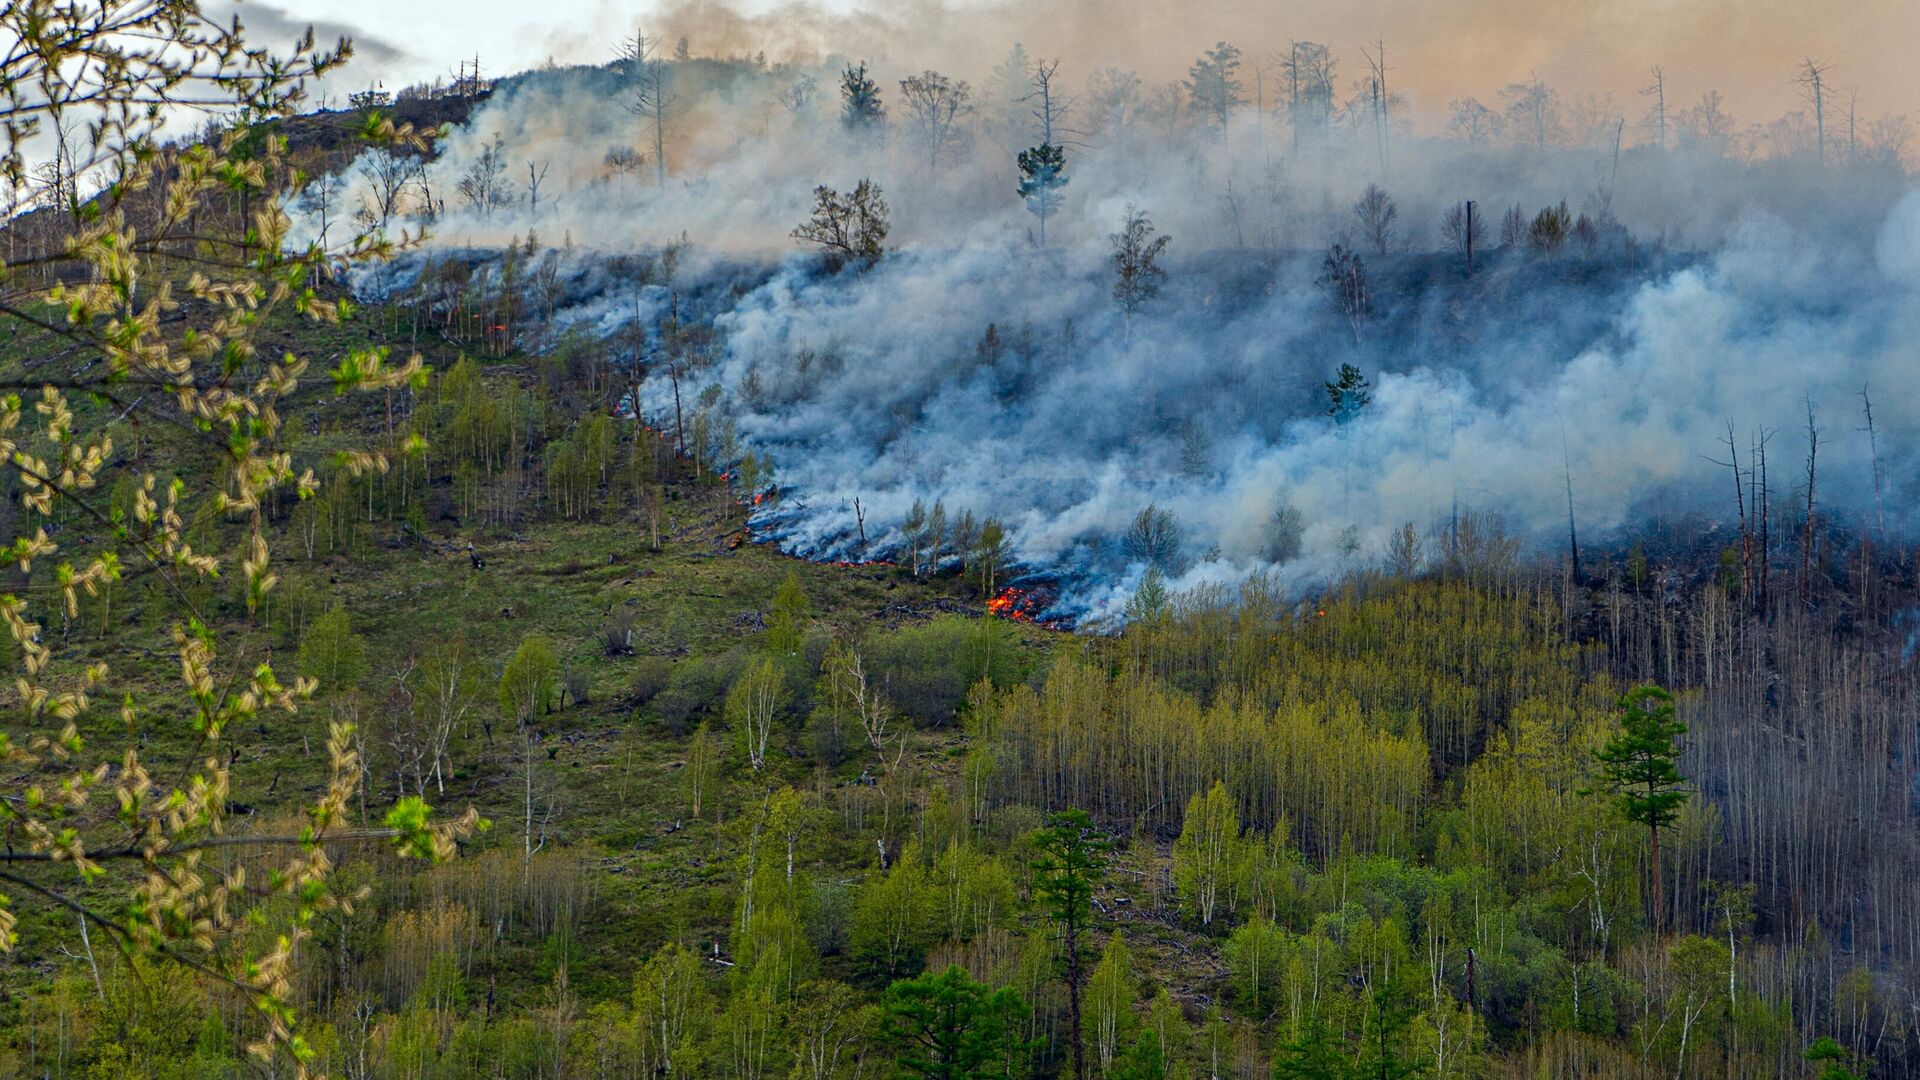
<point>1437,49</point>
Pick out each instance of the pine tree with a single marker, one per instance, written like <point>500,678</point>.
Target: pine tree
<point>1043,172</point>
<point>948,1027</point>
<point>1315,1054</point>
<point>1348,394</point>
<point>1214,85</point>
<point>1381,1059</point>
<point>1072,859</point>
<point>860,106</point>
<point>1831,1058</point>
<point>1640,766</point>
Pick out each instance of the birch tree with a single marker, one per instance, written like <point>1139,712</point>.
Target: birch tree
<point>1203,857</point>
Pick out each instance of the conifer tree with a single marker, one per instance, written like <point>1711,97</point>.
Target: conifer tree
<point>1071,861</point>
<point>948,1027</point>
<point>860,107</point>
<point>1348,393</point>
<point>1640,766</point>
<point>1043,172</point>
<point>1314,1054</point>
<point>1213,84</point>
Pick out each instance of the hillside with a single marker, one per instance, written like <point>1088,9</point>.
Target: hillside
<point>415,676</point>
<point>1409,805</point>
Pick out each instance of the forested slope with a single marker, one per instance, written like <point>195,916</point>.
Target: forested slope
<point>383,715</point>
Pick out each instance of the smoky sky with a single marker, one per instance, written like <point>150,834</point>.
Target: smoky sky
<point>376,56</point>
<point>1437,50</point>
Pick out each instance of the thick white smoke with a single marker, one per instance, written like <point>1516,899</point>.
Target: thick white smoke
<point>1754,290</point>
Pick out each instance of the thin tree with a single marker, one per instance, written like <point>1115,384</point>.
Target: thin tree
<point>1464,230</point>
<point>1813,87</point>
<point>991,550</point>
<point>1377,60</point>
<point>535,177</point>
<point>1640,766</point>
<point>1043,168</point>
<point>1345,274</point>
<point>1136,253</point>
<point>1072,858</point>
<point>1309,68</point>
<point>1533,114</point>
<point>1375,212</point>
<point>1873,450</point>
<point>390,171</point>
<point>484,185</point>
<point>650,95</point>
<point>1573,532</point>
<point>936,107</point>
<point>1656,119</point>
<point>1472,122</point>
<point>1810,530</point>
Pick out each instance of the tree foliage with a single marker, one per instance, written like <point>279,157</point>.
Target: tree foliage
<point>1640,766</point>
<point>860,106</point>
<point>163,324</point>
<point>948,1027</point>
<point>850,228</point>
<point>1137,273</point>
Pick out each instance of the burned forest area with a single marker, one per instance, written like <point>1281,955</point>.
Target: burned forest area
<point>855,540</point>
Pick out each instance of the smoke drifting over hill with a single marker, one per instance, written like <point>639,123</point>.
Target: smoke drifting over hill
<point>1734,275</point>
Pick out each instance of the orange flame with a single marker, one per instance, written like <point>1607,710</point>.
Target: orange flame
<point>1015,604</point>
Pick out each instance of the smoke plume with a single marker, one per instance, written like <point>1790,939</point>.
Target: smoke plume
<point>1728,278</point>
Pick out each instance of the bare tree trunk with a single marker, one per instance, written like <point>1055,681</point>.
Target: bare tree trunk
<point>1073,1003</point>
<point>1807,535</point>
<point>1653,841</point>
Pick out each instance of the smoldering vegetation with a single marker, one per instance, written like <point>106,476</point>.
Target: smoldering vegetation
<point>1655,300</point>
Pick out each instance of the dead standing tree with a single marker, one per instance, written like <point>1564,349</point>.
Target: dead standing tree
<point>1656,119</point>
<point>1810,530</point>
<point>650,94</point>
<point>1813,86</point>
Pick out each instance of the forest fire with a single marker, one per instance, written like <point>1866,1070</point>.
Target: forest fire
<point>1028,604</point>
